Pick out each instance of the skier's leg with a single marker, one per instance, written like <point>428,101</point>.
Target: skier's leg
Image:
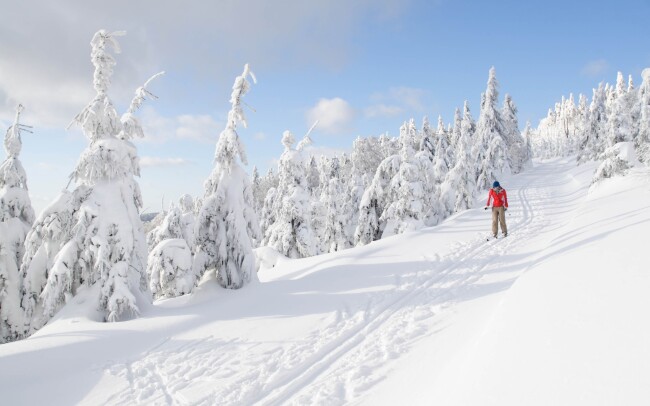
<point>502,220</point>
<point>495,220</point>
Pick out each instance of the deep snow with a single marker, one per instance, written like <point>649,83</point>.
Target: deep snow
<point>553,314</point>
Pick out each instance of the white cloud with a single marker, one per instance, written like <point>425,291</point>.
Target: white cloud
<point>46,65</point>
<point>595,68</point>
<point>199,127</point>
<point>148,161</point>
<point>260,136</point>
<point>382,110</point>
<point>158,128</point>
<point>335,116</point>
<point>396,101</point>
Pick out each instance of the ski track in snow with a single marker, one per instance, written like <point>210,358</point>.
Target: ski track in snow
<point>337,362</point>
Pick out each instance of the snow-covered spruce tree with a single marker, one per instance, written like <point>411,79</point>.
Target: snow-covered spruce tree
<point>388,146</point>
<point>434,210</point>
<point>16,217</point>
<point>413,135</point>
<point>620,128</point>
<point>581,122</point>
<point>313,177</point>
<point>443,144</point>
<point>642,140</point>
<point>407,210</point>
<point>428,143</point>
<point>227,227</point>
<point>454,134</point>
<point>374,201</point>
<point>174,225</point>
<point>169,264</point>
<point>258,192</point>
<point>334,235</point>
<point>291,233</point>
<point>267,216</point>
<point>468,129</point>
<point>443,158</point>
<point>592,143</point>
<point>527,136</point>
<point>490,145</point>
<point>512,134</point>
<point>355,188</point>
<point>92,238</point>
<point>632,97</point>
<point>457,191</point>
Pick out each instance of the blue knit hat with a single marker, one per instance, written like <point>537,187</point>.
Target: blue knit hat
<point>495,184</point>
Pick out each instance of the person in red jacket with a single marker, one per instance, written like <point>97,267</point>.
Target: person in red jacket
<point>499,200</point>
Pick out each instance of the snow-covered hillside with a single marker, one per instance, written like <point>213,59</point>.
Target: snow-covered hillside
<point>556,313</point>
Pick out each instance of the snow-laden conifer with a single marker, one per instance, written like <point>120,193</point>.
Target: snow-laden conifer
<point>178,222</point>
<point>620,127</point>
<point>291,231</point>
<point>454,134</point>
<point>16,217</point>
<point>642,140</point>
<point>267,216</point>
<point>457,191</point>
<point>428,141</point>
<point>527,136</point>
<point>313,176</point>
<point>374,201</point>
<point>443,158</point>
<point>490,147</point>
<point>93,237</point>
<point>355,188</point>
<point>443,143</point>
<point>227,227</point>
<point>407,208</point>
<point>512,135</point>
<point>258,191</point>
<point>366,156</point>
<point>332,199</point>
<point>593,143</point>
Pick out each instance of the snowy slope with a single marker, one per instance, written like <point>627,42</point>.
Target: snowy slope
<point>553,314</point>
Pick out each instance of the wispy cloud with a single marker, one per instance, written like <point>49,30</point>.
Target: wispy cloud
<point>158,128</point>
<point>149,161</point>
<point>396,101</point>
<point>595,68</point>
<point>46,64</point>
<point>383,110</point>
<point>335,116</point>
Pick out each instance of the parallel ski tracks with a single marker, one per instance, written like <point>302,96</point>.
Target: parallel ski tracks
<point>296,380</point>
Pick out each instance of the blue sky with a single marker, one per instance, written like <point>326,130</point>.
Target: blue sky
<point>360,67</point>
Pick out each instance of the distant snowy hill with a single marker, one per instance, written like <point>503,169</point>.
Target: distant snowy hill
<point>556,313</point>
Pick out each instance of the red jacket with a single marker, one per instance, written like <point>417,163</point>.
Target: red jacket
<point>500,197</point>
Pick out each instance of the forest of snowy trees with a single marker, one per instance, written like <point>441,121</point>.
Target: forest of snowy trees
<point>613,128</point>
<point>389,185</point>
<point>91,241</point>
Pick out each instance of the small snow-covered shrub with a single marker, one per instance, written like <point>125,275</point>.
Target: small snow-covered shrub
<point>617,160</point>
<point>170,269</point>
